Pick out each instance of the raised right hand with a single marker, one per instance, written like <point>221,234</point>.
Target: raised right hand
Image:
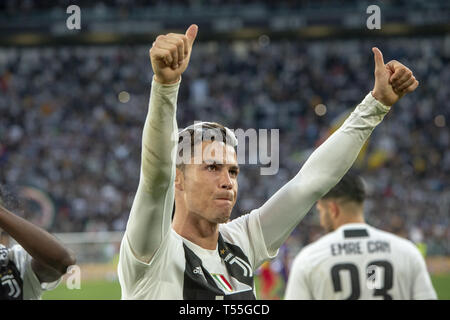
<point>392,80</point>
<point>170,55</point>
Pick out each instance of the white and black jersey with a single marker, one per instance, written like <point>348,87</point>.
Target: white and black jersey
<point>157,263</point>
<point>17,278</point>
<point>181,269</point>
<point>357,261</point>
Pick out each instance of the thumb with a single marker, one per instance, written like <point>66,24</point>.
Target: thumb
<point>378,57</point>
<point>191,33</point>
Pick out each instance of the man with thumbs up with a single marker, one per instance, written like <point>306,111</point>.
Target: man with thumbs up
<point>392,80</point>
<point>199,254</point>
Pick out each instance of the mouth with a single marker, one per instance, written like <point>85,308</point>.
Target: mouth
<point>224,200</point>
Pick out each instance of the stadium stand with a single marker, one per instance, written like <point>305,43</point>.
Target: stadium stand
<point>67,132</point>
<point>73,102</point>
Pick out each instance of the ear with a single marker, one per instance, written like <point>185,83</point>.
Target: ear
<point>334,209</point>
<point>179,180</point>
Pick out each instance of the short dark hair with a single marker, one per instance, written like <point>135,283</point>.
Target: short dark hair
<point>209,132</point>
<point>350,188</point>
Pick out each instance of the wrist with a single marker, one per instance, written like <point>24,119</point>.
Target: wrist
<point>376,95</point>
<point>166,82</point>
<point>380,98</point>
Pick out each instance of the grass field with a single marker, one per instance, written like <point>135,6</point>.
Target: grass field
<point>110,290</point>
<point>90,290</point>
<point>441,284</point>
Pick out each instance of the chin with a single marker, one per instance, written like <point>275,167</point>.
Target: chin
<point>223,217</point>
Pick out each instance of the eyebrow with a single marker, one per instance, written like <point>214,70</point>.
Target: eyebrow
<point>213,162</point>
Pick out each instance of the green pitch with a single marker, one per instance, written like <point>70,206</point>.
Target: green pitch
<point>110,290</point>
<point>89,290</point>
<point>441,284</point>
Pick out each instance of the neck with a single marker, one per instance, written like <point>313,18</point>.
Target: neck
<point>359,218</point>
<point>196,229</point>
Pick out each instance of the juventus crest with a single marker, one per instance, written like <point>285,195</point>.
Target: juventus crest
<point>11,283</point>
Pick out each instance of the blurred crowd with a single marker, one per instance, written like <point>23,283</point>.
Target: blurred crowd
<point>24,6</point>
<point>72,118</point>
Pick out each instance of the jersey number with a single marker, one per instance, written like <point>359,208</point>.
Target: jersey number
<point>381,286</point>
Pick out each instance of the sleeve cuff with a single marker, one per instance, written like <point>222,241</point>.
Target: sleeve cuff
<point>372,102</point>
<point>165,88</point>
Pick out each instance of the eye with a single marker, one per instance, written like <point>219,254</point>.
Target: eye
<point>234,172</point>
<point>211,167</point>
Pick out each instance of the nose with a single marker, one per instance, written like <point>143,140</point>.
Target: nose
<point>225,181</point>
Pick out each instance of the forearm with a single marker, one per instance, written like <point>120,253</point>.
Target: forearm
<point>330,161</point>
<point>323,170</point>
<point>39,244</point>
<point>159,136</point>
<point>151,212</point>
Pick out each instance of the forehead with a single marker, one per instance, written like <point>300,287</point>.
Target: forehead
<point>214,151</point>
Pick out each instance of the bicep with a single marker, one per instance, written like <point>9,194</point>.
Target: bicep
<point>149,221</point>
<point>284,210</point>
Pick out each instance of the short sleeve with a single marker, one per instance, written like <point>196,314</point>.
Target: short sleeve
<point>32,287</point>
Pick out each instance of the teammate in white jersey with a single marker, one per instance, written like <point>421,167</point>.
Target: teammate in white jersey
<point>198,255</point>
<point>33,265</point>
<point>355,260</point>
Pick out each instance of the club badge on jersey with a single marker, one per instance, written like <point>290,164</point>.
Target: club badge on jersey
<point>200,284</point>
<point>11,283</point>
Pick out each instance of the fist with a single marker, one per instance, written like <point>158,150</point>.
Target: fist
<point>170,55</point>
<point>392,80</point>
